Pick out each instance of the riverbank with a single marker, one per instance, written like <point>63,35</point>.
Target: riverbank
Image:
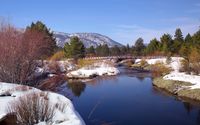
<point>181,89</point>
<point>19,99</point>
<point>91,71</point>
<point>178,83</point>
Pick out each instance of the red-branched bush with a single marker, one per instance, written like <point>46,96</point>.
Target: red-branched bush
<point>19,52</point>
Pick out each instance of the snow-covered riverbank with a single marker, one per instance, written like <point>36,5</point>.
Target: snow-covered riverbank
<point>98,69</point>
<point>9,93</point>
<point>178,83</point>
<point>175,75</point>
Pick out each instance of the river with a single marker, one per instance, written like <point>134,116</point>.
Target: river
<point>128,99</point>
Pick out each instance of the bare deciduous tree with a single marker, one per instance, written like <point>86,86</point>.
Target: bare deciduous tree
<point>19,52</point>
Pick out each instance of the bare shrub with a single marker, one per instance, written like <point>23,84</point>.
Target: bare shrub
<point>61,106</point>
<point>86,62</point>
<point>129,63</point>
<point>168,60</point>
<point>159,69</point>
<point>185,66</point>
<point>57,56</point>
<point>32,109</point>
<point>18,52</point>
<point>51,84</point>
<point>143,63</point>
<point>54,67</point>
<point>194,60</point>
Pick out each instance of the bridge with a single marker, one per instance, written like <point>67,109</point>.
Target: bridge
<point>112,57</point>
<point>124,57</point>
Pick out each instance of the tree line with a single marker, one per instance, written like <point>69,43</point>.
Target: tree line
<point>167,45</point>
<point>19,51</point>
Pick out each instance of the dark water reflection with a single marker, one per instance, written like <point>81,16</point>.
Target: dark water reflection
<point>128,99</point>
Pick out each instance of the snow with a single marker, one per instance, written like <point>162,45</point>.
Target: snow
<point>194,79</point>
<point>2,115</point>
<point>152,61</point>
<point>175,64</point>
<point>64,65</point>
<point>178,76</point>
<point>97,69</point>
<point>88,39</point>
<point>12,92</point>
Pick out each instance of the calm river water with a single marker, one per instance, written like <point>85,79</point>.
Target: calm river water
<point>128,99</point>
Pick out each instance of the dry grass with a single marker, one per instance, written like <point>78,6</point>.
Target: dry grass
<point>54,67</point>
<point>185,66</point>
<point>51,84</point>
<point>159,69</point>
<point>86,62</point>
<point>61,106</point>
<point>143,63</point>
<point>32,109</point>
<point>57,56</point>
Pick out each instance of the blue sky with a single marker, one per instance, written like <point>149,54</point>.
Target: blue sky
<point>121,20</point>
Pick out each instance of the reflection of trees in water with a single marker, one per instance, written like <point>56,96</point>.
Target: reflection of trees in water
<point>188,107</point>
<point>77,87</point>
<point>198,118</point>
<point>99,80</point>
<point>140,78</point>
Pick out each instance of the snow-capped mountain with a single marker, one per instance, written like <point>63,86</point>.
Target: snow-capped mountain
<point>88,39</point>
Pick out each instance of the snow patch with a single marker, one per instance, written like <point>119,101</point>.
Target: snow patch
<point>97,69</point>
<point>10,92</point>
<point>175,64</point>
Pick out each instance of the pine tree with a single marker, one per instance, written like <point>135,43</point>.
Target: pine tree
<point>167,42</point>
<point>188,39</point>
<point>196,39</point>
<point>91,50</point>
<point>75,49</point>
<point>115,51</point>
<point>139,47</point>
<point>123,50</point>
<point>105,50</point>
<point>128,49</point>
<point>178,41</point>
<point>153,46</point>
<point>178,35</point>
<point>98,50</point>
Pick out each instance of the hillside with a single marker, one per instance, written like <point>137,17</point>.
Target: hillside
<point>88,39</point>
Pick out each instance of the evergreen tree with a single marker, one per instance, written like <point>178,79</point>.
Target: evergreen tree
<point>139,47</point>
<point>128,49</point>
<point>153,46</point>
<point>91,50</point>
<point>41,27</point>
<point>115,51</point>
<point>178,35</point>
<point>167,42</point>
<point>123,50</point>
<point>75,49</point>
<point>98,50</point>
<point>105,50</point>
<point>196,39</point>
<point>178,41</point>
<point>188,39</point>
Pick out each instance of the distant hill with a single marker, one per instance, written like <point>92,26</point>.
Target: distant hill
<point>88,39</point>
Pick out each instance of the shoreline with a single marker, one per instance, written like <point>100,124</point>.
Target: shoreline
<point>177,88</point>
